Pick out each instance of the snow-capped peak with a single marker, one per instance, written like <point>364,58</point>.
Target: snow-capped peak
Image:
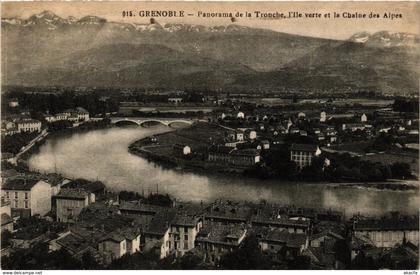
<point>386,39</point>
<point>11,21</point>
<point>91,20</point>
<point>361,37</point>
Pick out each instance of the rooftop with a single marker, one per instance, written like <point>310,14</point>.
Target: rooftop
<point>283,236</point>
<point>185,220</point>
<point>220,149</point>
<point>68,193</point>
<point>22,184</point>
<point>304,147</point>
<point>160,222</point>
<point>91,186</point>
<point>281,222</point>
<point>136,206</point>
<point>388,223</point>
<point>221,234</point>
<point>5,219</point>
<point>246,152</point>
<point>73,242</point>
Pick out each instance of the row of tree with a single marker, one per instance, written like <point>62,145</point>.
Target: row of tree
<point>342,168</point>
<point>153,198</point>
<point>57,103</point>
<point>13,144</point>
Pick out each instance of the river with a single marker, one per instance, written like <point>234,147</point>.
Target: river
<point>103,155</point>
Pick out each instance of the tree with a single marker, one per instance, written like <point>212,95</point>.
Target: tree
<point>299,262</point>
<point>6,236</point>
<point>159,199</point>
<point>400,170</point>
<point>190,262</point>
<point>247,256</point>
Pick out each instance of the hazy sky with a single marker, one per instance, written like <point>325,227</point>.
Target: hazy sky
<point>338,28</point>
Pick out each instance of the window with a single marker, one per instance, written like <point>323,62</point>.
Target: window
<point>185,245</point>
<point>186,230</point>
<point>7,194</point>
<point>16,204</point>
<point>16,195</point>
<point>26,195</point>
<point>26,204</point>
<point>186,237</point>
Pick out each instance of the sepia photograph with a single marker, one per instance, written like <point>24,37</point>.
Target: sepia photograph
<point>260,135</point>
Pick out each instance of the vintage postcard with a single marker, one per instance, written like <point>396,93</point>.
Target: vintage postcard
<point>210,135</point>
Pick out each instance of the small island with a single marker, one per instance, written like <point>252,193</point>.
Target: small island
<point>217,147</point>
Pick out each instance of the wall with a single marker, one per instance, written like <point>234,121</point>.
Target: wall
<point>63,206</point>
<point>389,238</point>
<point>41,198</point>
<point>117,249</point>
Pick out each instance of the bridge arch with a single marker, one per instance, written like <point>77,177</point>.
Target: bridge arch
<point>123,122</point>
<point>144,122</point>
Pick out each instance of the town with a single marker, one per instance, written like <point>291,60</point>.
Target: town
<point>50,221</point>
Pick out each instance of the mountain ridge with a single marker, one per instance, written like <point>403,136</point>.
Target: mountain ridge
<point>91,51</point>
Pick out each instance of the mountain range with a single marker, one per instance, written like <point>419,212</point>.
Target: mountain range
<point>46,49</point>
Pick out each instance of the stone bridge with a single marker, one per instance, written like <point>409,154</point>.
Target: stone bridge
<point>142,120</point>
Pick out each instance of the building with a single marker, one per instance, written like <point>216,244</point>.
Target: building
<point>102,231</point>
<point>175,100</point>
<point>73,118</point>
<point>49,118</point>
<point>265,144</point>
<point>214,240</point>
<point>13,103</point>
<point>75,245</point>
<point>239,135</point>
<point>355,126</point>
<point>388,231</point>
<point>28,197</point>
<point>28,125</point>
<point>363,118</point>
<point>183,233</point>
<point>156,234</point>
<point>5,206</point>
<point>6,220</point>
<point>181,149</point>
<point>324,237</point>
<point>61,116</point>
<point>299,226</point>
<point>120,242</point>
<point>281,244</point>
<point>302,154</point>
<point>82,114</point>
<point>70,202</point>
<point>323,116</point>
<point>235,157</point>
<point>6,223</point>
<point>252,135</point>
